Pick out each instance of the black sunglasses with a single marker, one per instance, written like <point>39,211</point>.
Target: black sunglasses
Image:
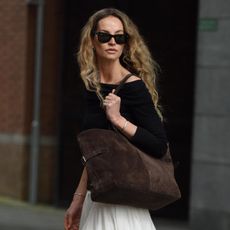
<point>104,37</point>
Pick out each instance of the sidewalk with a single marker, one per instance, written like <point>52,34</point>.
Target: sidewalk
<point>17,215</point>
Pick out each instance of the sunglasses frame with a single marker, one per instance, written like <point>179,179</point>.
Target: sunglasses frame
<point>115,36</point>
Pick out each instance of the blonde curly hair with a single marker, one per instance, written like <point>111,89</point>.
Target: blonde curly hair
<point>136,56</point>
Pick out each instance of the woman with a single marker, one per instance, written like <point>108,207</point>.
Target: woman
<point>110,48</point>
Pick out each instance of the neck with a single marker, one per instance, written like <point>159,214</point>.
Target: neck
<point>111,72</point>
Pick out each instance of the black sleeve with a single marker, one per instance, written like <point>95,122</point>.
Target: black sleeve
<point>150,135</point>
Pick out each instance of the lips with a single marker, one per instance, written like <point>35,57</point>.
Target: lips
<point>111,50</point>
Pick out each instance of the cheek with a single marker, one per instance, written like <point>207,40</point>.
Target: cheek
<point>121,49</point>
<point>99,47</point>
<point>94,43</point>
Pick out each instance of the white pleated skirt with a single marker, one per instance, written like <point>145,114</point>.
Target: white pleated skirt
<point>101,216</point>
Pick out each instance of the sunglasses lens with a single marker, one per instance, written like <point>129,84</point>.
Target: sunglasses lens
<point>120,38</point>
<point>105,37</point>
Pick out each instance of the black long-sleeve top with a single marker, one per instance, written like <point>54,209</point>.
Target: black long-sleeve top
<point>138,108</point>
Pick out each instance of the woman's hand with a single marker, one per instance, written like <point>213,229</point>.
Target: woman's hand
<point>112,105</point>
<point>73,214</point>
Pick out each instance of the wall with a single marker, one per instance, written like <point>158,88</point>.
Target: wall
<point>13,136</point>
<point>17,45</point>
<point>210,207</point>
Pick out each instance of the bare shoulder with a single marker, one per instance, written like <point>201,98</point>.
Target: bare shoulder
<point>133,78</point>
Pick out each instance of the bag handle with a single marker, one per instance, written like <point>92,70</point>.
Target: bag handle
<point>122,82</point>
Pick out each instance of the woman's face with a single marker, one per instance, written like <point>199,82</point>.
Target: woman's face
<point>107,47</point>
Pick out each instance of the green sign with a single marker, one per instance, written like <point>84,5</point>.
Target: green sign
<point>208,24</point>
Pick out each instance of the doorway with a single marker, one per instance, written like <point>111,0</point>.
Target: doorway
<point>170,31</point>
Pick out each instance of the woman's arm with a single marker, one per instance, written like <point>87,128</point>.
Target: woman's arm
<point>147,133</point>
<point>73,213</point>
<point>82,186</point>
<point>146,130</point>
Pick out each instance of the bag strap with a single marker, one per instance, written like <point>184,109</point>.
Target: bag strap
<point>122,82</point>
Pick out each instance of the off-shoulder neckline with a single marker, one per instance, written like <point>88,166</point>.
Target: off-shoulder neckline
<point>126,83</point>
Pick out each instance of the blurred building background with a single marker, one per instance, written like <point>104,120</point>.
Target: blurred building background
<point>40,99</point>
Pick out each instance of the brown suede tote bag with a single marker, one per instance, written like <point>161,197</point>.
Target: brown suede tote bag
<point>120,173</point>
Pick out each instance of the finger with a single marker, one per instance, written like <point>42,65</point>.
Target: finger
<point>66,225</point>
<point>68,222</point>
<point>113,96</point>
<point>110,96</point>
<point>109,100</point>
<point>107,104</point>
<point>112,93</point>
<point>75,227</point>
<point>65,222</point>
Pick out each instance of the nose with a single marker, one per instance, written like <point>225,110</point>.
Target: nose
<point>112,41</point>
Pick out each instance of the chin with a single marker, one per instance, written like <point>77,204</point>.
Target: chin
<point>112,56</point>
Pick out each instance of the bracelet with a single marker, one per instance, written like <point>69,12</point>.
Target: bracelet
<point>125,124</point>
<point>79,194</point>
